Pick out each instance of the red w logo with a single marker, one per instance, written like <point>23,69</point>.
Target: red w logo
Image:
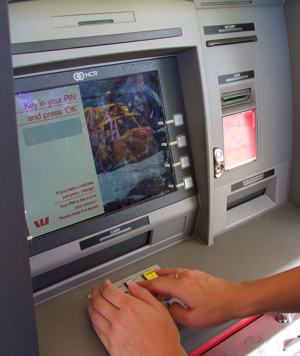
<point>41,222</point>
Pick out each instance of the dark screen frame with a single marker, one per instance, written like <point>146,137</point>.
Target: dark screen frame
<point>171,91</point>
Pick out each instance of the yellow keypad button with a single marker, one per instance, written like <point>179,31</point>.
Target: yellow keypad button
<point>151,274</point>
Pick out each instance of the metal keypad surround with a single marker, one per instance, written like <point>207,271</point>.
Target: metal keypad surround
<point>138,276</point>
<point>122,284</point>
<point>135,277</point>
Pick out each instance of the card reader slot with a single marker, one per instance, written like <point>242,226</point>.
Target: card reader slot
<point>230,41</point>
<point>236,97</point>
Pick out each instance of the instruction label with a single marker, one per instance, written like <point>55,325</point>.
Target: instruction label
<point>60,184</point>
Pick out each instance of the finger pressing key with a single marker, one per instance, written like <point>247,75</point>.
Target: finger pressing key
<point>114,295</point>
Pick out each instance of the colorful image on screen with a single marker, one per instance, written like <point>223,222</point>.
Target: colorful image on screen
<point>124,118</point>
<point>92,148</point>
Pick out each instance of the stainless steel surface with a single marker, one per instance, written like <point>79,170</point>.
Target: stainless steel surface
<point>284,318</point>
<point>263,337</point>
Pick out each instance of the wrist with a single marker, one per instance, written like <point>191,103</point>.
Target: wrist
<point>181,351</point>
<point>177,350</point>
<point>237,303</point>
<point>251,298</point>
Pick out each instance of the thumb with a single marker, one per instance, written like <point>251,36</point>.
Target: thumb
<point>143,294</point>
<point>180,314</point>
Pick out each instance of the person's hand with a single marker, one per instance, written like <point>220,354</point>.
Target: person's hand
<point>209,301</point>
<point>133,324</point>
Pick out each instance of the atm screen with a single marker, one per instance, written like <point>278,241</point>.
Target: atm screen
<point>92,148</point>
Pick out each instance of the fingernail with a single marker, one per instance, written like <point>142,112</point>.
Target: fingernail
<point>132,285</point>
<point>107,282</point>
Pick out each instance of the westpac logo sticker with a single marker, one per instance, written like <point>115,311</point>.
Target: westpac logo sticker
<point>78,76</point>
<point>41,222</point>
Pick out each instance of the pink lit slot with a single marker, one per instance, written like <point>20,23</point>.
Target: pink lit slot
<point>240,140</point>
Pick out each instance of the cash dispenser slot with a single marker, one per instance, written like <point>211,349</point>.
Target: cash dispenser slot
<point>236,97</point>
<point>231,41</point>
<point>252,195</point>
<point>83,264</point>
<point>244,199</point>
<point>115,232</point>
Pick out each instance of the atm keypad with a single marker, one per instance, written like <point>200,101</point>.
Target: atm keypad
<point>145,274</point>
<point>150,274</point>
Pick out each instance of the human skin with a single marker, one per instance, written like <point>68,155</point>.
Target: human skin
<point>133,324</point>
<point>138,324</point>
<point>211,301</point>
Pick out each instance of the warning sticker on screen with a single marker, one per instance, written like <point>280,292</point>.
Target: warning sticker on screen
<point>60,182</point>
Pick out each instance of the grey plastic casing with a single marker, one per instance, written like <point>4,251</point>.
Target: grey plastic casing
<point>268,57</point>
<point>134,30</point>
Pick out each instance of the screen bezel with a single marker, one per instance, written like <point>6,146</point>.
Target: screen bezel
<point>173,103</point>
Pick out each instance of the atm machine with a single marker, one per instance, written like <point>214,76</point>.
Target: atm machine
<point>141,124</point>
<point>108,133</point>
<point>246,63</point>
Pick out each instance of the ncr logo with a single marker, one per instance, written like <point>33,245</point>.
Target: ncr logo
<point>78,76</point>
<point>41,222</point>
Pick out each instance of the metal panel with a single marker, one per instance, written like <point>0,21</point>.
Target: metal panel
<point>54,45</point>
<point>17,324</point>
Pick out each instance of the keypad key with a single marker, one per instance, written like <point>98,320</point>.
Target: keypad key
<point>149,275</point>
